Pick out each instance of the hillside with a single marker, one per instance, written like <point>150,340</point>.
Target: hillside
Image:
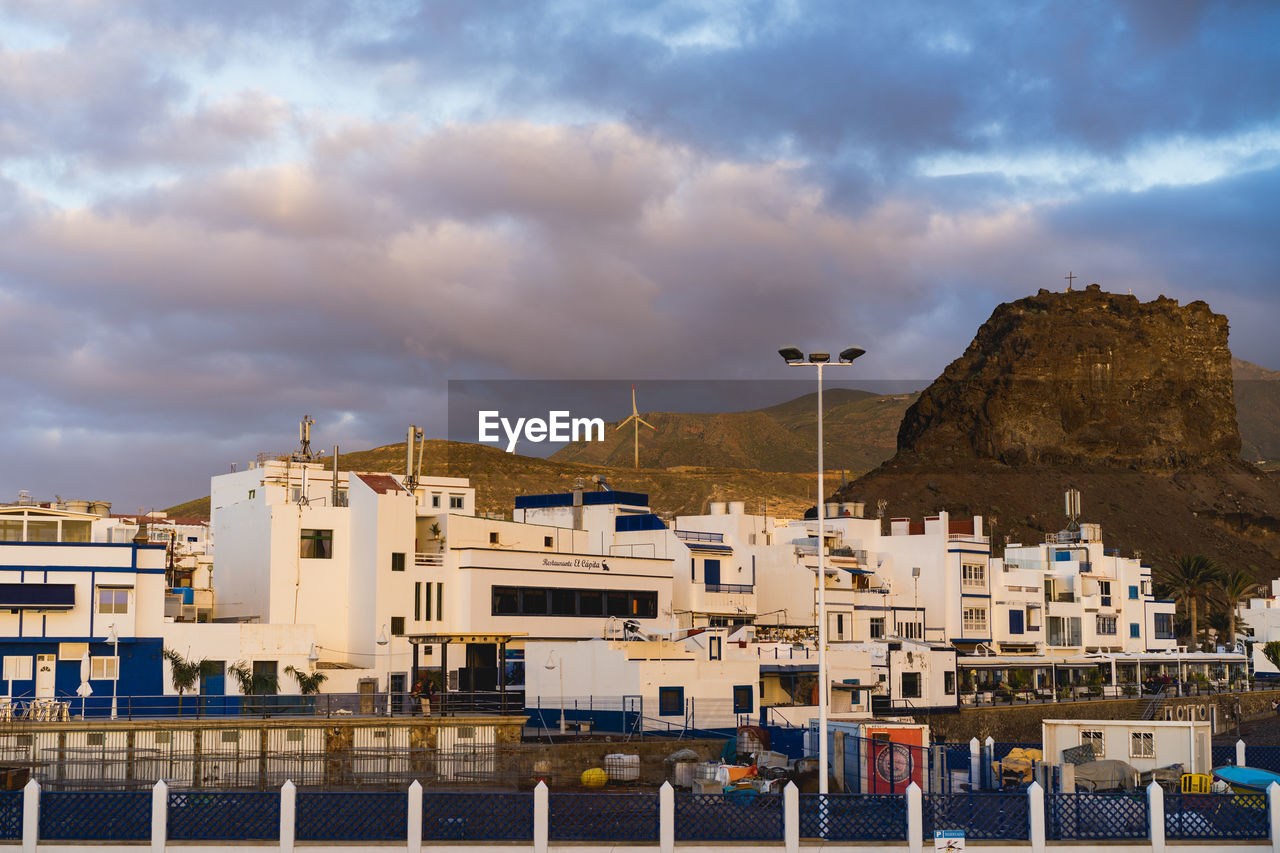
<point>1129,402</point>
<point>860,429</point>
<point>1258,412</point>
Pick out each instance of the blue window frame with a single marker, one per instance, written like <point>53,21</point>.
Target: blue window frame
<point>1133,593</point>
<point>743,699</point>
<point>670,701</point>
<point>713,648</point>
<point>1015,621</point>
<point>1135,630</point>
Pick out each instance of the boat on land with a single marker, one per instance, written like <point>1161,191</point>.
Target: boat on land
<point>1246,780</point>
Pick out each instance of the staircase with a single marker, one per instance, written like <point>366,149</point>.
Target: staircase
<point>1151,708</point>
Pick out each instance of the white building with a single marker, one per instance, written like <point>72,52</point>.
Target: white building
<point>1143,744</point>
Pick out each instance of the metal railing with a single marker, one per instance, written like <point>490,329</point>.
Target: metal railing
<point>735,588</point>
<point>698,536</point>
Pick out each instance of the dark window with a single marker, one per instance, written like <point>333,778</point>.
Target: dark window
<point>617,603</point>
<point>670,701</point>
<point>439,601</point>
<point>1135,630</point>
<point>1015,621</point>
<point>265,678</point>
<point>506,602</point>
<point>533,602</point>
<point>743,701</point>
<point>397,561</point>
<point>546,541</point>
<point>493,537</point>
<point>644,605</point>
<point>876,627</point>
<point>455,502</point>
<point>949,683</point>
<point>426,601</point>
<point>564,602</point>
<point>591,603</point>
<point>911,685</point>
<point>316,544</point>
<point>417,601</point>
<point>1164,626</point>
<point>397,626</point>
<point>711,571</point>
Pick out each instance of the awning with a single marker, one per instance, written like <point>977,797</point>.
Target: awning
<point>37,596</point>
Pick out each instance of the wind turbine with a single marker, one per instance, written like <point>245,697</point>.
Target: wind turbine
<point>635,416</point>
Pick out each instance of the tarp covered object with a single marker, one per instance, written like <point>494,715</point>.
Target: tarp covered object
<point>1106,775</point>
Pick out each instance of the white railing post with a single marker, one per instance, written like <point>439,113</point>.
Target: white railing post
<point>288,815</point>
<point>541,817</point>
<point>1240,753</point>
<point>30,816</point>
<point>1035,810</point>
<point>414,822</point>
<point>159,816</point>
<point>975,765</point>
<point>1155,808</point>
<point>791,817</point>
<point>1273,816</point>
<point>667,818</point>
<point>915,819</point>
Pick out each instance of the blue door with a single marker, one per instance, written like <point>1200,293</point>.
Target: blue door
<point>711,572</point>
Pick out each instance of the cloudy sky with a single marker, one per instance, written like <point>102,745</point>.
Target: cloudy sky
<point>218,217</point>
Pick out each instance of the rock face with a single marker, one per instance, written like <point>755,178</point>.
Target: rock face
<point>1083,377</point>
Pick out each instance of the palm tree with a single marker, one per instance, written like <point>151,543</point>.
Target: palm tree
<point>1237,585</point>
<point>1190,578</point>
<point>185,674</point>
<point>308,683</point>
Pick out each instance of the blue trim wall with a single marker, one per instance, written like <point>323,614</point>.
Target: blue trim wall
<point>141,670</point>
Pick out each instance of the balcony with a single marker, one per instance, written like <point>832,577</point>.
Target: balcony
<point>731,588</point>
<point>698,536</point>
<point>422,558</point>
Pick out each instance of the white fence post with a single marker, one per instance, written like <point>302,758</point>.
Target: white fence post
<point>1273,815</point>
<point>1155,808</point>
<point>989,762</point>
<point>915,819</point>
<point>159,816</point>
<point>1035,810</point>
<point>791,817</point>
<point>1240,753</point>
<point>30,816</point>
<point>541,817</point>
<point>414,822</point>
<point>667,818</point>
<point>975,765</point>
<point>288,815</point>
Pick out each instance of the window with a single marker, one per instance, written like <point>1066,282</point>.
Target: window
<point>711,572</point>
<point>1094,737</point>
<point>265,678</point>
<point>113,599</point>
<point>253,493</point>
<point>743,700</point>
<point>17,667</point>
<point>546,541</point>
<point>426,601</point>
<point>670,701</point>
<point>435,501</point>
<point>493,537</point>
<point>910,685</point>
<point>397,626</point>
<point>104,668</point>
<point>417,601</point>
<point>1135,631</point>
<point>397,561</point>
<point>1015,621</point>
<point>973,574</point>
<point>975,618</point>
<point>949,683</point>
<point>555,601</point>
<point>316,544</point>
<point>713,648</point>
<point>533,601</point>
<point>1164,626</point>
<point>1133,593</point>
<point>72,651</point>
<point>506,601</point>
<point>440,601</point>
<point>1106,625</point>
<point>1104,593</point>
<point>455,501</point>
<point>910,630</point>
<point>1142,744</point>
<point>876,627</point>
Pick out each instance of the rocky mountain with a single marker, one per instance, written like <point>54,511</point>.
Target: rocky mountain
<point>1131,402</point>
<point>1258,413</point>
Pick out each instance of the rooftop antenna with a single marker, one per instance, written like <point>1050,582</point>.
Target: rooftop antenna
<point>635,416</point>
<point>304,439</point>
<point>1073,508</point>
<point>410,477</point>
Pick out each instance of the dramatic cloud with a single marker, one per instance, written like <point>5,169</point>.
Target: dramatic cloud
<point>220,218</point>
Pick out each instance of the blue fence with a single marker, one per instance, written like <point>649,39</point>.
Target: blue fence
<point>603,817</point>
<point>10,814</point>
<point>1096,816</point>
<point>1263,757</point>
<point>1215,816</point>
<point>95,815</point>
<point>361,816</point>
<point>477,817</point>
<point>986,816</point>
<point>224,815</point>
<point>744,816</point>
<point>854,817</point>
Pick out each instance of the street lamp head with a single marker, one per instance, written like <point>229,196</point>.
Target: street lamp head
<point>848,355</point>
<point>791,355</point>
<point>382,636</point>
<point>819,357</point>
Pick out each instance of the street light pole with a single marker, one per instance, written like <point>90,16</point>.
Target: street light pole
<point>384,641</point>
<point>795,358</point>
